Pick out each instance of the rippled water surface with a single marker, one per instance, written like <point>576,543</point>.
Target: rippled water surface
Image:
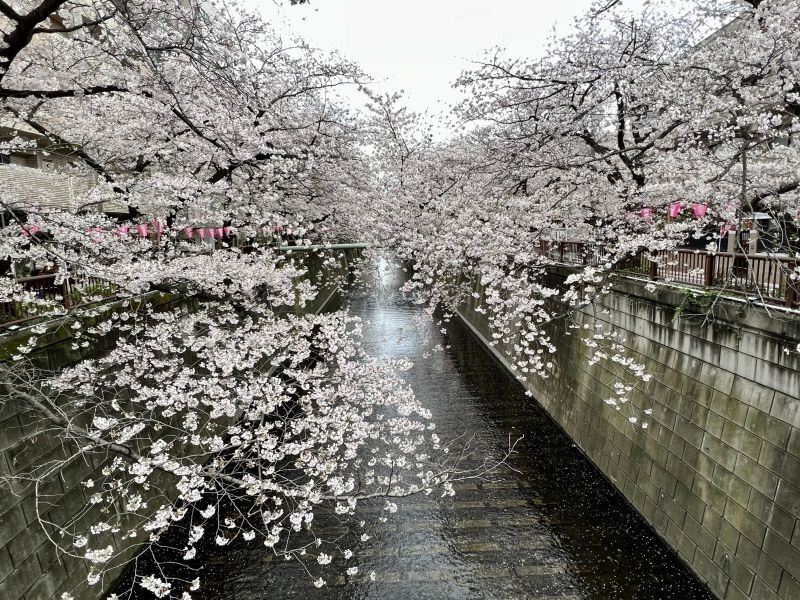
<point>547,526</point>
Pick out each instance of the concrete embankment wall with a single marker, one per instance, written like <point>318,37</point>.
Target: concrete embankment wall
<point>717,471</point>
<point>30,568</point>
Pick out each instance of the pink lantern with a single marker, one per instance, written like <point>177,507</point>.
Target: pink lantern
<point>122,230</point>
<point>227,230</point>
<point>202,233</point>
<point>28,230</point>
<point>212,233</point>
<point>219,232</point>
<point>96,233</point>
<point>188,232</point>
<point>141,228</point>
<point>646,214</point>
<point>159,228</point>
<point>699,210</point>
<point>675,209</point>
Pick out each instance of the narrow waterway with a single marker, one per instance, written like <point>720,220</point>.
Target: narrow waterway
<point>547,526</point>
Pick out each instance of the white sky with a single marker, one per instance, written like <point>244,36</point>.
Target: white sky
<point>421,46</point>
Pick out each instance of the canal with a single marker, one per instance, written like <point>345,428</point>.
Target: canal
<point>547,525</point>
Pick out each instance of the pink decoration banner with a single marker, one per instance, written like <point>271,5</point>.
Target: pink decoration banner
<point>675,209</point>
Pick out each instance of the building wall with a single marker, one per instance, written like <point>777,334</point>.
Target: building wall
<point>717,471</point>
<point>39,186</point>
<point>29,566</point>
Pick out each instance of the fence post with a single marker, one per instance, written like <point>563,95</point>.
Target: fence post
<point>65,291</point>
<point>791,289</point>
<point>653,267</point>
<point>708,279</point>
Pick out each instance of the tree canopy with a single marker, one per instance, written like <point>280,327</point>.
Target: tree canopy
<point>194,118</point>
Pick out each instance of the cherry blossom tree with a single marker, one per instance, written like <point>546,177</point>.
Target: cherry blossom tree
<point>230,417</point>
<point>234,418</point>
<point>635,134</point>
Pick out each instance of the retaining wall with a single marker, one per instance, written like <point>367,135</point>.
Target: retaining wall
<point>717,471</point>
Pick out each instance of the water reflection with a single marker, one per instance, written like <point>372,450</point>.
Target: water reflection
<point>548,526</point>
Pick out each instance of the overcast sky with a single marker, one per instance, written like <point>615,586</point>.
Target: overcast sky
<point>421,46</point>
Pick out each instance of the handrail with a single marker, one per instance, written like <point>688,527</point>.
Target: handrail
<point>38,277</point>
<point>64,289</point>
<point>763,274</point>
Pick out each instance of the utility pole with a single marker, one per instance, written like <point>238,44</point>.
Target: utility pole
<point>733,239</point>
<point>753,239</point>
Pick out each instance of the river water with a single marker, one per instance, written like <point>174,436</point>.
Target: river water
<point>547,526</point>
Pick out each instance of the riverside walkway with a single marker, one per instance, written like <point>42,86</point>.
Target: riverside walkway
<point>548,525</point>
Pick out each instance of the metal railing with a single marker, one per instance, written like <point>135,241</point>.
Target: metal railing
<point>767,277</point>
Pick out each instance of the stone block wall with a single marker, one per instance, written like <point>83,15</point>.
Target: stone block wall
<point>30,568</point>
<point>717,471</point>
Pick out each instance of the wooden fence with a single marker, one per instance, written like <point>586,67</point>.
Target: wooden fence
<point>74,290</point>
<point>79,289</point>
<point>765,277</point>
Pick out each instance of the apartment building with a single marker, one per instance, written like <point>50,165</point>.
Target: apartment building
<point>35,174</point>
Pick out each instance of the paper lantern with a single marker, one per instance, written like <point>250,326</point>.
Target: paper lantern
<point>212,233</point>
<point>122,230</point>
<point>646,214</point>
<point>202,233</point>
<point>699,210</point>
<point>188,232</point>
<point>675,209</point>
<point>28,230</point>
<point>227,230</point>
<point>141,228</point>
<point>219,232</point>
<point>159,228</point>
